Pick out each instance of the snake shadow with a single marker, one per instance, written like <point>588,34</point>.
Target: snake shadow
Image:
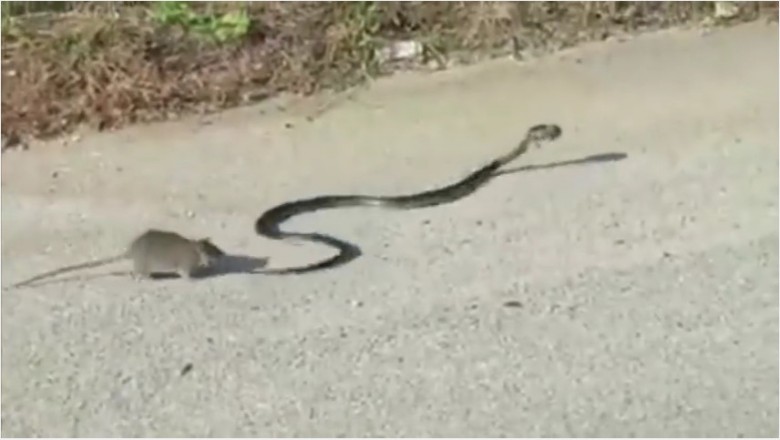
<point>349,252</point>
<point>596,158</point>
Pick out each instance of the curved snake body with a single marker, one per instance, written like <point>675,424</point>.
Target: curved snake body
<point>268,223</point>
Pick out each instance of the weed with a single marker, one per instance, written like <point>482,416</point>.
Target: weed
<point>108,64</point>
<point>364,19</point>
<point>231,26</point>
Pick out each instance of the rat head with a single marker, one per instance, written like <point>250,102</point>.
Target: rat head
<point>209,250</point>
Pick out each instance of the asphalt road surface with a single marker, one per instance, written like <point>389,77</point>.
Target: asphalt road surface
<point>620,281</point>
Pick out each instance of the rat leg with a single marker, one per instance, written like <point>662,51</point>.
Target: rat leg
<point>185,273</point>
<point>140,270</point>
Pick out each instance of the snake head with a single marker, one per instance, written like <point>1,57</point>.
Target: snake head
<point>544,132</point>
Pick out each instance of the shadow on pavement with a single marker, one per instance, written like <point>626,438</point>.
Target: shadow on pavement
<point>349,252</point>
<point>244,264</point>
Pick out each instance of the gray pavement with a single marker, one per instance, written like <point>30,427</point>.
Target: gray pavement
<point>636,295</point>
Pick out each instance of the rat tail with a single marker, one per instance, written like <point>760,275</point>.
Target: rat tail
<point>86,265</point>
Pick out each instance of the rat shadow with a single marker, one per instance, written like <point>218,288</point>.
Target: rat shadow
<point>233,264</point>
<point>348,252</point>
<point>226,265</point>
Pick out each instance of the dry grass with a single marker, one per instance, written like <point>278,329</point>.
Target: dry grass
<point>110,64</point>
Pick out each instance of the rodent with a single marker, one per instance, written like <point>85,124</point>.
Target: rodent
<point>155,252</point>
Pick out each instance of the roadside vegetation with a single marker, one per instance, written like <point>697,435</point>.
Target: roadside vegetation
<point>108,64</point>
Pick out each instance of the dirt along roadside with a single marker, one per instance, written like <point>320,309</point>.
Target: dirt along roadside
<point>622,281</point>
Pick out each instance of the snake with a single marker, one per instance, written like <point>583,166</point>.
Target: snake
<point>268,223</point>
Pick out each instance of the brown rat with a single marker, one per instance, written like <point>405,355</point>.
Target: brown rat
<point>155,252</point>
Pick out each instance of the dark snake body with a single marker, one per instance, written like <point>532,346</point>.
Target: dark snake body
<point>268,223</point>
